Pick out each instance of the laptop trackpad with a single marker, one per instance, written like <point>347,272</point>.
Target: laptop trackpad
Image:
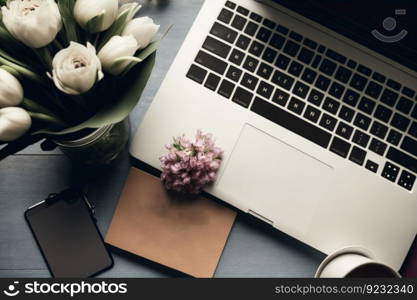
<point>275,180</point>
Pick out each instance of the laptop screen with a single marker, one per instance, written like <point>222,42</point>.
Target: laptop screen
<point>385,26</point>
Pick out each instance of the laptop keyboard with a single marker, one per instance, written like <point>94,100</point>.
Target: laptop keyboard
<point>311,90</point>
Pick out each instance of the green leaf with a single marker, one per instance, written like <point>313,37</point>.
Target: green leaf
<point>66,8</point>
<point>117,109</point>
<point>95,24</point>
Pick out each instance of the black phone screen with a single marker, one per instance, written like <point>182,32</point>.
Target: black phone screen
<point>69,238</point>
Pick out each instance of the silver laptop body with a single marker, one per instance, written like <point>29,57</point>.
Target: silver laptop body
<point>301,149</point>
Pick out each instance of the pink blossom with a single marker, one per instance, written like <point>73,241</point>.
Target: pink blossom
<point>189,166</point>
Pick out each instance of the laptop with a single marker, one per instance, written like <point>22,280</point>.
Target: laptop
<point>314,104</point>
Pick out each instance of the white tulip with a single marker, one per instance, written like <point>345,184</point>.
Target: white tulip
<point>117,54</point>
<point>76,69</point>
<point>143,29</point>
<point>86,10</point>
<point>11,91</point>
<point>14,122</point>
<point>33,22</point>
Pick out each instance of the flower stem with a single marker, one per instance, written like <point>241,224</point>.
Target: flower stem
<point>47,119</point>
<point>23,71</point>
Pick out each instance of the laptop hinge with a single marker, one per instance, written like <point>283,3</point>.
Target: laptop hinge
<point>259,216</point>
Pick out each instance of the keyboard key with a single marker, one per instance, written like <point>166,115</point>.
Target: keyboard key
<point>340,147</point>
<point>408,92</point>
<point>251,28</point>
<point>243,11</point>
<point>321,49</point>
<point>389,97</point>
<point>280,97</point>
<point>402,159</point>
<point>400,122</point>
<point>362,121</point>
<point>409,145</point>
<point>358,82</point>
<point>379,130</point>
<point>331,105</point>
<point>296,36</point>
<point>316,97</point>
<point>256,17</point>
<point>282,62</point>
<point>328,67</point>
<point>225,16</point>
<point>283,80</point>
<point>343,74</point>
<point>197,74</point>
<point>379,77</point>
<point>346,113</point>
<point>249,81</point>
<point>284,30</point>
<point>291,122</point>
<point>236,57</point>
<point>309,75</point>
<point>404,105</point>
<point>344,130</point>
<point>328,122</point>
<point>223,33</point>
<point>364,70</point>
<point>216,47</point>
<point>393,84</point>
<point>291,48</point>
<point>301,90</point>
<point>413,129</point>
<point>277,41</point>
<point>337,90</point>
<point>230,5</point>
<point>351,98</point>
<point>372,166</point>
<point>407,180</point>
<point>390,172</point>
<point>311,44</point>
<point>367,105</point>
<point>212,82</point>
<point>269,55</point>
<point>306,56</point>
<point>234,73</point>
<point>336,56</point>
<point>270,24</point>
<point>296,106</point>
<point>243,42</point>
<point>414,113</point>
<point>250,64</point>
<point>316,61</point>
<point>265,89</point>
<point>382,113</point>
<point>264,34</point>
<point>242,97</point>
<point>226,88</point>
<point>360,138</point>
<point>256,48</point>
<point>378,147</point>
<point>312,114</point>
<point>322,83</point>
<point>394,137</point>
<point>373,90</point>
<point>357,155</point>
<point>265,71</point>
<point>352,64</point>
<point>239,22</point>
<point>211,62</point>
<point>295,69</point>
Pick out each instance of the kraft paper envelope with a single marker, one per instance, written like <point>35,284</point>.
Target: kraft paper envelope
<point>188,235</point>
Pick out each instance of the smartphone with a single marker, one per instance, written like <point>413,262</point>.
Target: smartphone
<point>66,232</point>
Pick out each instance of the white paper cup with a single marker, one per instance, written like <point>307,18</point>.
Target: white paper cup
<point>354,262</point>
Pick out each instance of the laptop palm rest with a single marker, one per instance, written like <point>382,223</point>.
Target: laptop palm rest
<point>266,184</point>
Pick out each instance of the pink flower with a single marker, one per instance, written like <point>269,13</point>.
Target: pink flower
<point>189,166</point>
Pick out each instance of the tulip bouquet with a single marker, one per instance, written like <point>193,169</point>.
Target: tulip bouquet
<point>69,65</point>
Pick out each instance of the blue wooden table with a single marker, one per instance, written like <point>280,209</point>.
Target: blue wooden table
<point>253,249</point>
